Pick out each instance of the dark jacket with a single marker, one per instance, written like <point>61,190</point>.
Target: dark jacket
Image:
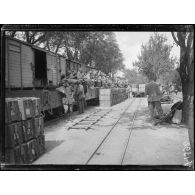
<point>152,89</point>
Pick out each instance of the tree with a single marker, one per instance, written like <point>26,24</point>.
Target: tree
<point>171,78</point>
<point>102,51</point>
<point>155,57</point>
<point>32,37</point>
<point>96,49</point>
<point>185,40</point>
<point>186,68</point>
<point>134,77</point>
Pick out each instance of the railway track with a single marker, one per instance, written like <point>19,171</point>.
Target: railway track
<point>88,121</point>
<point>112,129</point>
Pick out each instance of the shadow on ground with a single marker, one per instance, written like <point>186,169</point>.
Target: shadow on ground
<point>50,145</point>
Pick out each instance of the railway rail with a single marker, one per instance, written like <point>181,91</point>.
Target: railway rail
<point>112,128</point>
<point>88,121</point>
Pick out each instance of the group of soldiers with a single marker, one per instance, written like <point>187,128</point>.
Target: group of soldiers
<point>72,91</point>
<point>96,78</point>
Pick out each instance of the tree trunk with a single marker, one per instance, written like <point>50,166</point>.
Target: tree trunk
<point>187,79</point>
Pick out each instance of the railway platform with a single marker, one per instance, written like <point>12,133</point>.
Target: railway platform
<point>117,135</point>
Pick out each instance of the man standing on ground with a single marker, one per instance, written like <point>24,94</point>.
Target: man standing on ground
<point>68,100</point>
<point>154,94</point>
<point>79,96</point>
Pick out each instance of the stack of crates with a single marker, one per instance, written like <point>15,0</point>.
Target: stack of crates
<point>110,97</point>
<point>105,97</point>
<point>24,130</point>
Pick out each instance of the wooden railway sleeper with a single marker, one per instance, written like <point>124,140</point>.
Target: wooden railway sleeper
<point>76,125</point>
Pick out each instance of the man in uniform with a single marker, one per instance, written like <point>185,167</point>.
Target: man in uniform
<point>79,96</point>
<point>154,94</point>
<point>68,99</point>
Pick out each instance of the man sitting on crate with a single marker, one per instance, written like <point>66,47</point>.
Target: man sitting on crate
<point>154,94</point>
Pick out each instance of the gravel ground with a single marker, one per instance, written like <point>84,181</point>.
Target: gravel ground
<point>148,145</point>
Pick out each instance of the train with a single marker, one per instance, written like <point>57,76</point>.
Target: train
<point>31,71</point>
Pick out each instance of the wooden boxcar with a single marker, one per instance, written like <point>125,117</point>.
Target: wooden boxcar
<point>33,72</point>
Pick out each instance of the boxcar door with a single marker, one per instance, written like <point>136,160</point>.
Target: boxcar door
<point>27,66</point>
<point>40,68</point>
<point>51,69</point>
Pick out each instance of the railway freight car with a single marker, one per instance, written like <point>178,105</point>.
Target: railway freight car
<point>34,72</point>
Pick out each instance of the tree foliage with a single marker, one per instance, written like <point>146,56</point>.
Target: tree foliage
<point>155,57</point>
<point>171,78</point>
<point>31,37</point>
<point>96,49</point>
<point>134,77</point>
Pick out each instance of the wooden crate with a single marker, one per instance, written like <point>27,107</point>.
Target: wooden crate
<point>24,154</point>
<point>28,129</point>
<point>32,150</point>
<point>17,155</point>
<point>26,107</point>
<point>12,112</point>
<point>105,97</point>
<point>40,145</point>
<point>105,91</point>
<point>13,135</point>
<point>9,156</point>
<point>38,126</point>
<point>36,106</point>
<point>105,103</point>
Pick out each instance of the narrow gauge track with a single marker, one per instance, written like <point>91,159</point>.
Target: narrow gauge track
<point>103,140</point>
<point>130,131</point>
<point>91,119</point>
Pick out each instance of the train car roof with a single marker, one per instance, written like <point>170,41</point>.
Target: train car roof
<point>39,48</point>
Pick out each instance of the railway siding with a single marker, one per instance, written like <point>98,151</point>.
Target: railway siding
<point>147,145</point>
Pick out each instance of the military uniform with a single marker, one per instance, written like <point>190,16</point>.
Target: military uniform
<point>154,94</point>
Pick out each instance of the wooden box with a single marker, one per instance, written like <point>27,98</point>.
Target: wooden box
<point>9,156</point>
<point>105,103</point>
<point>27,129</point>
<point>25,107</point>
<point>32,150</point>
<point>17,155</point>
<point>28,108</point>
<point>38,126</point>
<point>36,106</point>
<point>24,154</point>
<point>12,113</point>
<point>13,135</point>
<point>40,145</point>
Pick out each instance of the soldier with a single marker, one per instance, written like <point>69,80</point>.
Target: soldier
<point>79,96</point>
<point>152,90</point>
<point>68,99</point>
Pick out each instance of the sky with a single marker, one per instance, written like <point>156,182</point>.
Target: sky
<point>130,45</point>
